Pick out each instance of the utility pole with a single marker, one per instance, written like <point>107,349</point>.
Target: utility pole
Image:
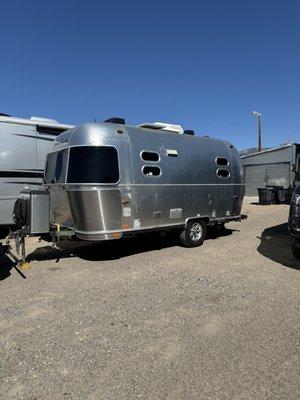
<point>258,116</point>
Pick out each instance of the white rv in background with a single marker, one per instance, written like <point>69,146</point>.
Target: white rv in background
<point>23,148</point>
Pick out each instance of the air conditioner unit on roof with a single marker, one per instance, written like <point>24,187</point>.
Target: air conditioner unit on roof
<point>163,126</point>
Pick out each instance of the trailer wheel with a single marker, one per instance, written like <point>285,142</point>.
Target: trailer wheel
<point>296,250</point>
<point>194,234</point>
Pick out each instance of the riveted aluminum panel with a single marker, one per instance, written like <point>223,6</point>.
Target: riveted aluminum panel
<point>95,211</point>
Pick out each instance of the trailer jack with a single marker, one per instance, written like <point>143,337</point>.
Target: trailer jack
<point>19,238</point>
<point>18,257</point>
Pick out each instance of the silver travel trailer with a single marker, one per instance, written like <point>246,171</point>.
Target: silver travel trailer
<point>23,148</point>
<point>111,180</point>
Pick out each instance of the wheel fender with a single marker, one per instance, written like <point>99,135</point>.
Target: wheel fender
<point>204,219</point>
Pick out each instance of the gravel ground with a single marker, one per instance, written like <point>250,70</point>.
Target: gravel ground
<point>147,319</point>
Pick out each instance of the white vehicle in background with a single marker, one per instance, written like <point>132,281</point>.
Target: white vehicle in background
<point>23,148</point>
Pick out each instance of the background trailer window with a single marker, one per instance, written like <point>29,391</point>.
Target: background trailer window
<point>90,164</point>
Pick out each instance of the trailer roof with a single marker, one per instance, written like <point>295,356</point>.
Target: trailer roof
<point>34,121</point>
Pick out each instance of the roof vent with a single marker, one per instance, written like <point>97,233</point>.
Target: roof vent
<point>189,132</point>
<point>4,115</point>
<point>163,126</point>
<point>115,120</point>
<point>44,120</point>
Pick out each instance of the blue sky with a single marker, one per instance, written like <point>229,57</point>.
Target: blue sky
<point>204,65</point>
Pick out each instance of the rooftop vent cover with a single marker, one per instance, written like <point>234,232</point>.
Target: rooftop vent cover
<point>163,126</point>
<point>115,120</point>
<point>189,132</point>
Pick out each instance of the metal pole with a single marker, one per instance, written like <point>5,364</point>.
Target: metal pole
<point>259,132</point>
<point>258,116</point>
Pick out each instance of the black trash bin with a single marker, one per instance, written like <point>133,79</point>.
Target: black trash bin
<point>281,195</point>
<point>278,194</point>
<point>265,195</point>
<point>288,195</point>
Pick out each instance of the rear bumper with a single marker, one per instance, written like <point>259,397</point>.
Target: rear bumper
<point>237,218</point>
<point>98,236</point>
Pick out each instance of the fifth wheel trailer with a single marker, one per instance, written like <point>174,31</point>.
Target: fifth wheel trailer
<point>23,148</point>
<point>275,167</point>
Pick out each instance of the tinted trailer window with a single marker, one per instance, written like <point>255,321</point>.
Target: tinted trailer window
<point>56,166</point>
<point>89,164</point>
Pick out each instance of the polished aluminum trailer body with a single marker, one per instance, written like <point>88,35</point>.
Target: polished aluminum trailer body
<point>23,148</point>
<point>151,179</point>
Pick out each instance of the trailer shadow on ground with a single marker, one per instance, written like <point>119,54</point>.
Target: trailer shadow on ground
<point>276,244</point>
<point>6,266</point>
<point>104,251</point>
<point>113,250</point>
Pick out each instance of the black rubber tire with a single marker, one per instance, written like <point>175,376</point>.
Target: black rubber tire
<point>19,212</point>
<point>185,235</point>
<point>296,250</point>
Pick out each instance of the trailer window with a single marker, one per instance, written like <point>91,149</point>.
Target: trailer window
<point>91,164</point>
<point>222,161</point>
<point>223,173</point>
<point>151,171</point>
<point>49,130</point>
<point>56,166</point>
<point>150,156</point>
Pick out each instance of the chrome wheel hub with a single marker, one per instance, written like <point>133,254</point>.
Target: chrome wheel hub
<point>196,231</point>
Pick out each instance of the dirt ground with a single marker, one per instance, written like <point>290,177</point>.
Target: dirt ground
<point>147,319</point>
